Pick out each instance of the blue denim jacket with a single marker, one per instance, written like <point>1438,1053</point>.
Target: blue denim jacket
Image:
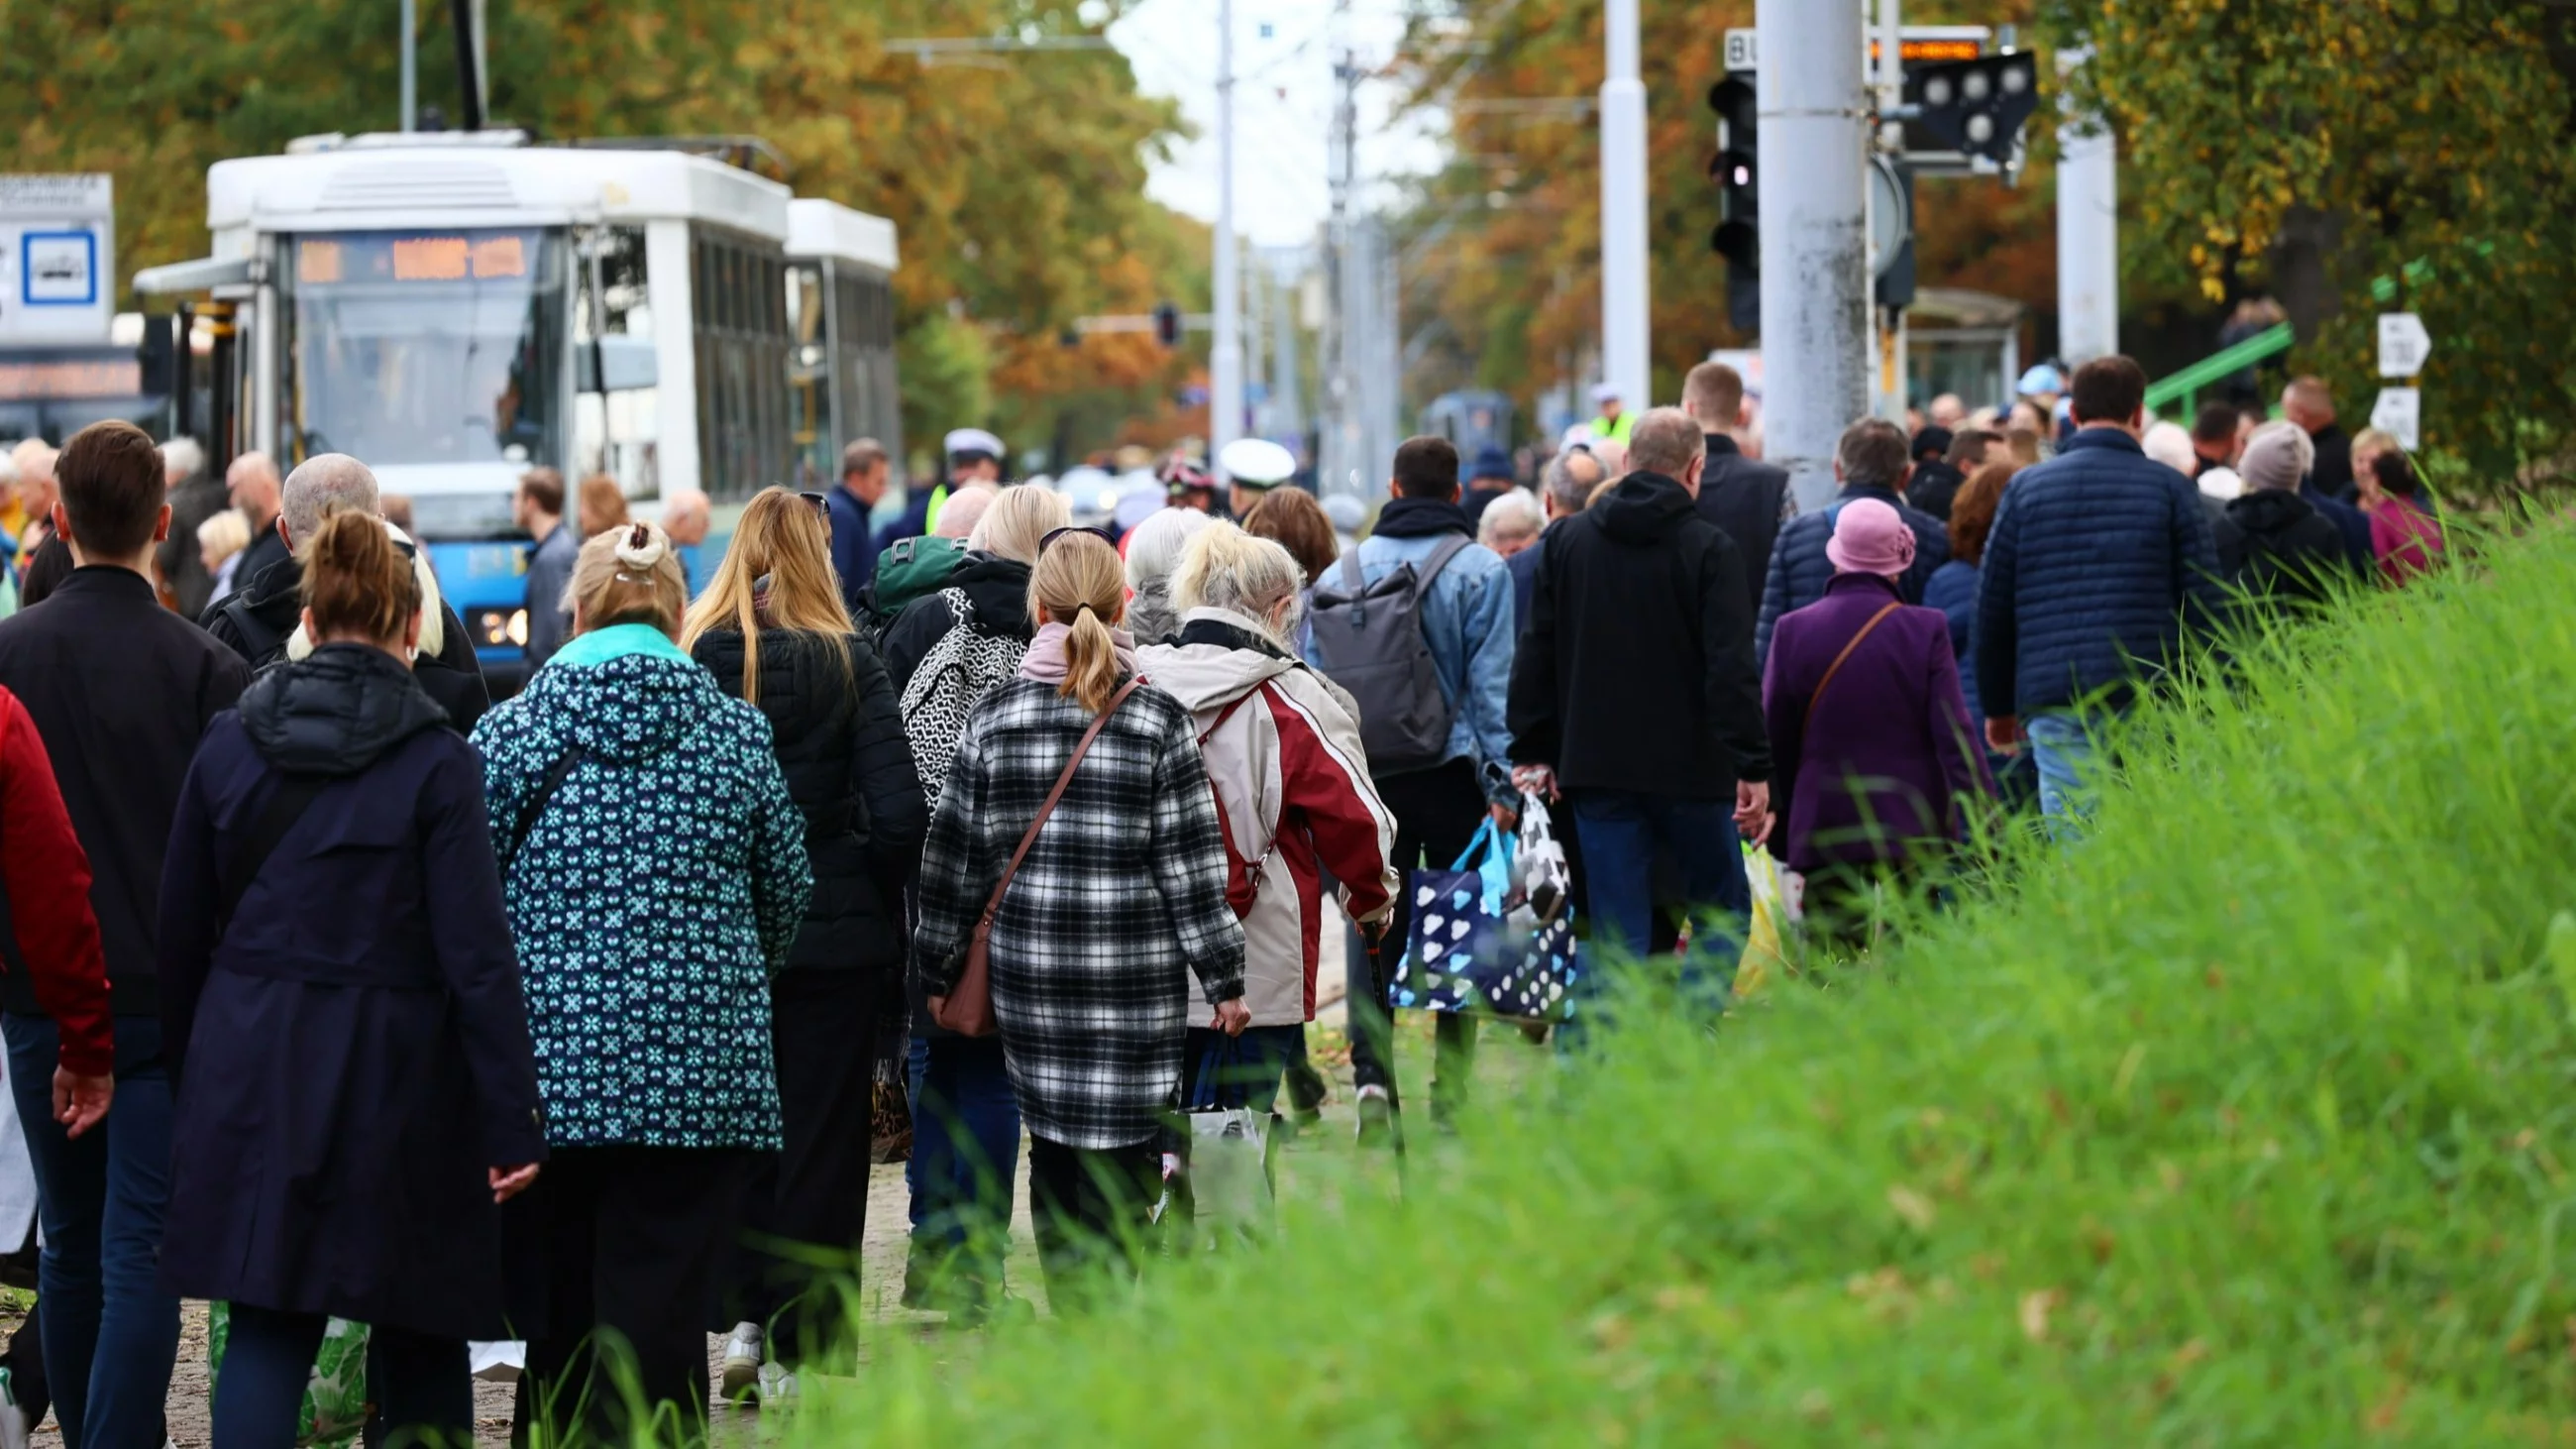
<point>1472,628</point>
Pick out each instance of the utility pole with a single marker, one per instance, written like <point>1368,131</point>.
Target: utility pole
<point>1225,358</point>
<point>1625,339</point>
<point>1813,159</point>
<point>410,66</point>
<point>1333,351</point>
<point>2088,228</point>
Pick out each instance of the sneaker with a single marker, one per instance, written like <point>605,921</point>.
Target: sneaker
<point>1377,1116</point>
<point>742,1361</point>
<point>777,1387</point>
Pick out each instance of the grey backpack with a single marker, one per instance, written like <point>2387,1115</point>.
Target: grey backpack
<point>1369,640</point>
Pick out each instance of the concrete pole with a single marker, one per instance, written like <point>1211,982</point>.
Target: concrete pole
<point>1625,326</point>
<point>1815,290</point>
<point>2088,230</point>
<point>1225,358</point>
<point>410,66</point>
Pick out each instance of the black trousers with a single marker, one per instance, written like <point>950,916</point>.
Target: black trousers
<point>1436,813</point>
<point>420,1384</point>
<point>1089,1209</point>
<point>631,1239</point>
<point>805,1210</point>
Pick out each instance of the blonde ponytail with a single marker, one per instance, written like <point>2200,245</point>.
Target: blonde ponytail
<point>1079,582</point>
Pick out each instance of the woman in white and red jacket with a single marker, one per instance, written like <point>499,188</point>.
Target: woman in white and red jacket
<point>1283,753</point>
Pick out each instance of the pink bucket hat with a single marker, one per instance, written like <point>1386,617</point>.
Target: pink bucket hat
<point>1870,539</point>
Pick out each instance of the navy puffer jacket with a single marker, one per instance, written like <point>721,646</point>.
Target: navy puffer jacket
<point>2100,560</point>
<point>1800,571</point>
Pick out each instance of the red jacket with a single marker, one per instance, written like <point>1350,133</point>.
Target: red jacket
<point>45,877</point>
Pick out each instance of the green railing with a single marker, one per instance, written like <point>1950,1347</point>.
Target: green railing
<point>2187,383</point>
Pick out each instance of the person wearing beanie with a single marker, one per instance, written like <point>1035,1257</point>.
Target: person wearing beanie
<point>1488,478</point>
<point>1875,767</point>
<point>2275,550</point>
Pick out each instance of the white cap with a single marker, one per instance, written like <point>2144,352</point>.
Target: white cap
<point>1579,433</point>
<point>1257,462</point>
<point>1603,392</point>
<point>971,440</point>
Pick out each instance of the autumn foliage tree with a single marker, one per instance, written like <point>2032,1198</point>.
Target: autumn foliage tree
<point>2317,149</point>
<point>1016,182</point>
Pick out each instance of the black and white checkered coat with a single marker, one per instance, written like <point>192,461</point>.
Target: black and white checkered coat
<point>1122,896</point>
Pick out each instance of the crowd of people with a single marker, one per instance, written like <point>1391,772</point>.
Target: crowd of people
<point>336,988</point>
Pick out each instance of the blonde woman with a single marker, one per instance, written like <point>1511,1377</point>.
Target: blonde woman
<point>654,867</point>
<point>220,541</point>
<point>772,629</point>
<point>1292,785</point>
<point>1119,899</point>
<point>946,652</point>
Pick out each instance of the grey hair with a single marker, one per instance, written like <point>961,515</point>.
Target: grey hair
<point>1665,440</point>
<point>183,457</point>
<point>1569,492</point>
<point>1513,515</point>
<point>1227,568</point>
<point>1873,453</point>
<point>2169,443</point>
<point>321,484</point>
<point>1154,550</point>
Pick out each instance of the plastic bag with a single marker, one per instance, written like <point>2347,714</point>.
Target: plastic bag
<point>1764,945</point>
<point>1227,1155</point>
<point>335,1397</point>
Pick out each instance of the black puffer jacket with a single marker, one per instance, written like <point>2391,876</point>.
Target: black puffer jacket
<point>840,742</point>
<point>270,606</point>
<point>2276,547</point>
<point>997,589</point>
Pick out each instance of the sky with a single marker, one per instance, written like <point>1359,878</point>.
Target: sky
<point>1283,61</point>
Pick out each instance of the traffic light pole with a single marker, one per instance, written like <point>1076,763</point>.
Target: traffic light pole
<point>2088,229</point>
<point>1225,357</point>
<point>1625,335</point>
<point>1814,149</point>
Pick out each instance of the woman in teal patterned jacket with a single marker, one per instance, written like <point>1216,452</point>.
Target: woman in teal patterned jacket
<point>654,868</point>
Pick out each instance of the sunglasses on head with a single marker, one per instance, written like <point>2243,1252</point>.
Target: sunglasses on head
<point>822,502</point>
<point>1104,535</point>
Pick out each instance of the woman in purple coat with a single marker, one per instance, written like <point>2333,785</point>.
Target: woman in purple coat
<point>1875,762</point>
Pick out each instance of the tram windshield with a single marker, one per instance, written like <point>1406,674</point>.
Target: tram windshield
<point>430,347</point>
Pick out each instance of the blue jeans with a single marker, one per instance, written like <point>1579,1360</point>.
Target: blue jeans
<point>1621,833</point>
<point>965,1151</point>
<point>2062,749</point>
<point>110,1334</point>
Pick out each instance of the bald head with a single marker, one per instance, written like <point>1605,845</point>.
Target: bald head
<point>252,482</point>
<point>2308,402</point>
<point>324,484</point>
<point>1666,441</point>
<point>964,509</point>
<point>685,517</point>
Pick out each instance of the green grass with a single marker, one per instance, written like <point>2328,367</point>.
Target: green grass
<point>2246,1122</point>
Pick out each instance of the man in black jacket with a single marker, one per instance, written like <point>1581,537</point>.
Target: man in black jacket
<point>261,615</point>
<point>1748,501</point>
<point>120,689</point>
<point>2273,545</point>
<point>1649,721</point>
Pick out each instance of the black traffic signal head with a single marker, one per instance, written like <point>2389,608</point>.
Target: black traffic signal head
<point>1978,106</point>
<point>1167,324</point>
<point>1737,171</point>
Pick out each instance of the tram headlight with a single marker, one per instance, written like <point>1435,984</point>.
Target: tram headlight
<point>500,628</point>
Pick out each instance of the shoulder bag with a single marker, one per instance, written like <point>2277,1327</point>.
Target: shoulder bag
<point>967,1008</point>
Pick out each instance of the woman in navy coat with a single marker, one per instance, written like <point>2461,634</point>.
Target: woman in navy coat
<point>356,1090</point>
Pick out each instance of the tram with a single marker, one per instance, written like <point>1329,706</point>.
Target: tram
<point>840,307</point>
<point>455,308</point>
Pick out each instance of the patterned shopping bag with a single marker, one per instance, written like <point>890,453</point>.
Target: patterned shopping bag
<point>1478,946</point>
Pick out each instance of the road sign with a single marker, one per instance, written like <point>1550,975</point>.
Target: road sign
<point>57,258</point>
<point>1743,48</point>
<point>2403,345</point>
<point>2400,414</point>
<point>1913,42</point>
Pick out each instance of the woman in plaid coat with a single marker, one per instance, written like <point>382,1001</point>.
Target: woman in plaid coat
<point>1120,900</point>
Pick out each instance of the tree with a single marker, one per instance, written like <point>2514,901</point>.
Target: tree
<point>1017,186</point>
<point>2316,149</point>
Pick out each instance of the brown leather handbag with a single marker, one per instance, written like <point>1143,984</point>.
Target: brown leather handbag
<point>967,1009</point>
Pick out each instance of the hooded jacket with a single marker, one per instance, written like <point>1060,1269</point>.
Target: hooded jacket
<point>351,1049</point>
<point>997,590</point>
<point>1636,672</point>
<point>842,749</point>
<point>1293,795</point>
<point>651,896</point>
<point>2277,548</point>
<point>44,899</point>
<point>264,622</point>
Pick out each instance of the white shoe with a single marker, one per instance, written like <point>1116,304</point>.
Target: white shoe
<point>777,1387</point>
<point>742,1360</point>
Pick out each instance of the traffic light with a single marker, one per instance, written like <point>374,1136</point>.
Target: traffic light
<point>1736,171</point>
<point>1978,106</point>
<point>1167,324</point>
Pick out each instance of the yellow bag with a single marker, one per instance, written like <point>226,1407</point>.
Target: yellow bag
<point>1763,944</point>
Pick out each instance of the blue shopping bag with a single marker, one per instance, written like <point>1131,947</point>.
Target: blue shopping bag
<point>1475,945</point>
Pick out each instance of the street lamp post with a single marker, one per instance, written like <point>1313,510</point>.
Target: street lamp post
<point>1225,356</point>
<point>1625,337</point>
